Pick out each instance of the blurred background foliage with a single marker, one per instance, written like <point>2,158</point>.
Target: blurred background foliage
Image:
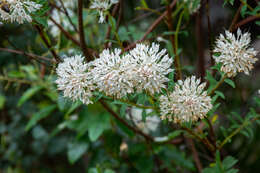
<point>43,132</point>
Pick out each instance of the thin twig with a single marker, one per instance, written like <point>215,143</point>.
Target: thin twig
<point>151,28</point>
<point>30,55</point>
<point>172,38</point>
<point>200,46</point>
<point>234,21</point>
<point>247,20</point>
<point>137,131</point>
<point>46,42</point>
<point>218,85</point>
<point>205,141</point>
<point>67,14</point>
<point>66,33</point>
<point>195,154</point>
<point>83,45</point>
<point>237,131</point>
<point>210,42</point>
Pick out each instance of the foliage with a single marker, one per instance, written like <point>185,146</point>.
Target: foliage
<point>42,131</point>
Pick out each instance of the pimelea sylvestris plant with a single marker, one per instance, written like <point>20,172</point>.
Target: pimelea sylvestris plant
<point>147,86</point>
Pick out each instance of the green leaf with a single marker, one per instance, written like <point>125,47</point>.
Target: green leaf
<point>2,101</point>
<point>230,82</point>
<point>220,94</point>
<point>28,94</point>
<point>144,4</point>
<point>39,115</point>
<point>109,171</point>
<point>76,150</point>
<point>97,124</point>
<point>174,134</point>
<point>229,162</point>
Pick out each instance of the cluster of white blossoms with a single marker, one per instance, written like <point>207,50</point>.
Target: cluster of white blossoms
<point>149,67</point>
<point>19,11</point>
<point>61,18</point>
<point>192,5</point>
<point>142,69</point>
<point>102,6</point>
<point>233,53</point>
<point>74,79</point>
<point>188,102</point>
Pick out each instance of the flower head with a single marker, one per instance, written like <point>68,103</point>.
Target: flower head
<point>74,79</point>
<point>150,67</point>
<point>111,74</point>
<point>188,102</point>
<point>20,11</point>
<point>102,6</point>
<point>234,53</point>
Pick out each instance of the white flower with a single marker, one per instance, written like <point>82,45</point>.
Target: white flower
<point>188,102</point>
<point>74,79</point>
<point>112,74</point>
<point>20,11</point>
<point>102,6</point>
<point>149,125</point>
<point>150,67</point>
<point>234,53</point>
<point>193,5</point>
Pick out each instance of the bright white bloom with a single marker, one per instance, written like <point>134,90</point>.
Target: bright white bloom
<point>150,67</point>
<point>61,18</point>
<point>102,6</point>
<point>193,5</point>
<point>234,53</point>
<point>149,125</point>
<point>74,79</point>
<point>188,102</point>
<point>111,74</point>
<point>20,11</point>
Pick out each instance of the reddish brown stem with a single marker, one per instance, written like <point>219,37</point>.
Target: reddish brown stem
<point>46,42</point>
<point>30,55</point>
<point>200,46</point>
<point>83,45</point>
<point>247,20</point>
<point>137,131</point>
<point>151,28</point>
<point>195,155</point>
<point>66,33</point>
<point>234,21</point>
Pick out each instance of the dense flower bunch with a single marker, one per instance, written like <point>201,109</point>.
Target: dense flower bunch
<point>149,67</point>
<point>112,74</point>
<point>142,69</point>
<point>188,102</point>
<point>74,79</point>
<point>102,6</point>
<point>234,54</point>
<point>19,11</point>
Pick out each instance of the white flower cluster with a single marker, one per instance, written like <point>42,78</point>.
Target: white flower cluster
<point>188,102</point>
<point>61,18</point>
<point>19,11</point>
<point>234,53</point>
<point>74,79</point>
<point>192,5</point>
<point>142,69</point>
<point>102,6</point>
